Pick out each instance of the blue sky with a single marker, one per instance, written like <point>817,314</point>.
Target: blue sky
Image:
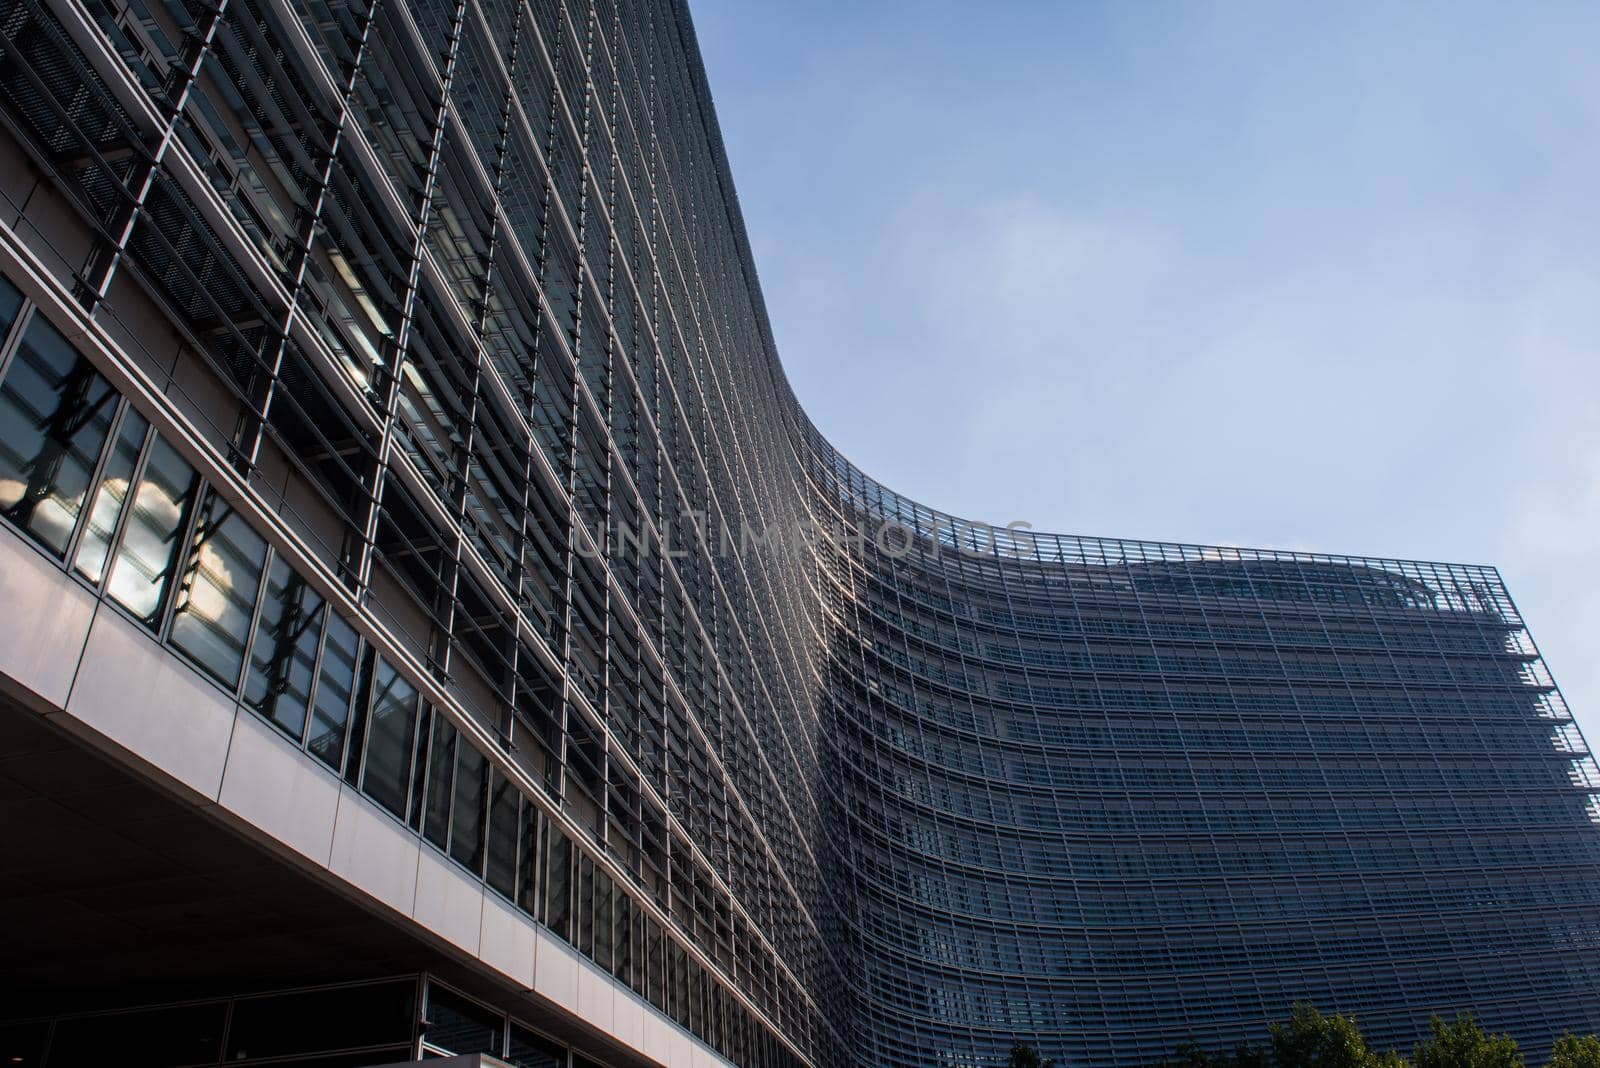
<point>1301,276</point>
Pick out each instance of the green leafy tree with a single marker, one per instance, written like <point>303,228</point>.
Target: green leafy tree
<point>1025,1056</point>
<point>1463,1044</point>
<point>1308,1039</point>
<point>1247,1057</point>
<point>1190,1055</point>
<point>1187,1055</point>
<point>1573,1052</point>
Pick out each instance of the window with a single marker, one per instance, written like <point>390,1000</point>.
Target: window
<point>527,1050</point>
<point>217,598</point>
<point>630,940</point>
<point>456,1025</point>
<point>466,816</point>
<point>389,734</point>
<point>530,871</point>
<point>604,930</point>
<point>142,571</point>
<point>283,656</point>
<point>441,778</point>
<point>419,766</point>
<point>677,983</point>
<point>187,1034</point>
<point>558,885</point>
<point>655,963</point>
<point>584,910</point>
<point>330,711</point>
<point>696,1021</point>
<point>115,481</point>
<point>10,305</point>
<point>504,818</point>
<point>55,413</point>
<point>316,1021</point>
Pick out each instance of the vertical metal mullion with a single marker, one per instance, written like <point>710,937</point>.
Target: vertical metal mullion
<point>227,1025</point>
<point>350,704</point>
<point>135,479</point>
<point>450,794</point>
<point>251,455</point>
<point>90,494</point>
<point>12,342</point>
<point>135,210</point>
<point>505,722</point>
<point>516,861</point>
<point>186,545</point>
<point>524,545</point>
<point>360,706</point>
<point>251,635</point>
<point>369,531</point>
<point>410,746</point>
<point>421,1014</point>
<point>519,568</point>
<point>555,217</point>
<point>538,841</point>
<point>460,501</point>
<point>421,747</point>
<point>316,678</point>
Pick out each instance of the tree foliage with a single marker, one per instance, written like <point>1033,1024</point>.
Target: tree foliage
<point>1190,1055</point>
<point>1463,1044</point>
<point>1025,1056</point>
<point>1309,1039</point>
<point>1573,1052</point>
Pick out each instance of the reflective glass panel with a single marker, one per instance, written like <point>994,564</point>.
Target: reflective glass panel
<point>466,816</point>
<point>220,583</point>
<point>604,934</point>
<point>142,572</point>
<point>622,967</point>
<point>655,964</point>
<point>461,1026</point>
<point>441,774</point>
<point>558,885</point>
<point>389,734</point>
<point>583,910</point>
<point>330,711</point>
<point>55,413</point>
<point>503,829</point>
<point>110,496</point>
<point>283,654</point>
<point>528,1050</point>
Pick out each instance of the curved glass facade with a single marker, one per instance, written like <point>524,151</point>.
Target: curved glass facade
<point>1113,796</point>
<point>493,497</point>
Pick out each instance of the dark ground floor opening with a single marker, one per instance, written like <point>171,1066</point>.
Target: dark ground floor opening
<point>137,930</point>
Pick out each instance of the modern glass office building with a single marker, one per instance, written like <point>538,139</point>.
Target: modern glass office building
<point>429,624</point>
